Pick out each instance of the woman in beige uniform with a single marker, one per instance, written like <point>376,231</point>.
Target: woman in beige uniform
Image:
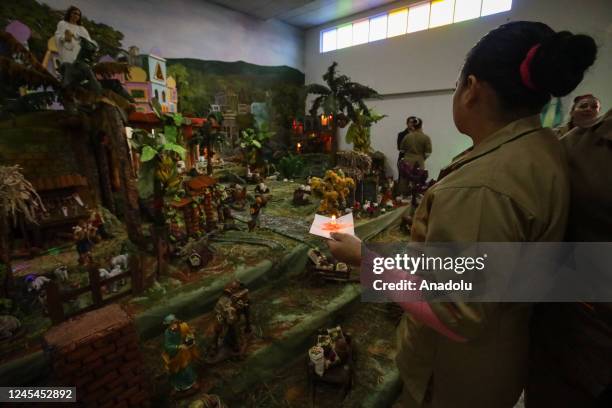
<point>416,145</point>
<point>571,355</point>
<point>583,115</point>
<point>511,186</point>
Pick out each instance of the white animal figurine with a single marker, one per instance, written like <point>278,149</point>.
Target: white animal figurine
<point>61,273</point>
<point>121,260</point>
<point>105,274</point>
<point>36,283</point>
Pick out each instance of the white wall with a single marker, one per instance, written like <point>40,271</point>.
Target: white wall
<point>196,29</point>
<point>430,61</point>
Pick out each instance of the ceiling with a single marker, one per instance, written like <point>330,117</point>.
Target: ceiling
<point>301,13</point>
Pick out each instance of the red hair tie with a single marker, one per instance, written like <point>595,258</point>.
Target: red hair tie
<point>526,68</point>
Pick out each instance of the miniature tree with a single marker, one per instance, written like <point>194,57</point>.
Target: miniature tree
<point>341,98</point>
<point>17,198</point>
<point>290,166</point>
<point>252,140</point>
<point>333,189</point>
<point>359,131</point>
<point>158,177</point>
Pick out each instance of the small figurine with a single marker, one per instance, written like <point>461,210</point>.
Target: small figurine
<point>36,285</point>
<point>61,273</point>
<point>252,176</point>
<point>301,195</point>
<point>106,274</point>
<point>97,222</point>
<point>83,234</point>
<point>330,359</point>
<point>200,167</point>
<point>228,220</point>
<point>261,188</point>
<point>179,354</point>
<point>220,198</point>
<point>194,261</point>
<point>231,306</point>
<point>327,270</point>
<point>121,261</point>
<point>68,34</point>
<point>260,202</point>
<point>181,168</point>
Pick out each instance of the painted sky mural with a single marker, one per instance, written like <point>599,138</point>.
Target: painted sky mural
<point>195,29</point>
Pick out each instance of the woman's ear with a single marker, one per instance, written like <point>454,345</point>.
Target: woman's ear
<point>471,91</point>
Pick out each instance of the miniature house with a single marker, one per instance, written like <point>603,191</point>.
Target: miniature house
<point>150,80</point>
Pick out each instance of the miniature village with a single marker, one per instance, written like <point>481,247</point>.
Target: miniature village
<point>155,256</point>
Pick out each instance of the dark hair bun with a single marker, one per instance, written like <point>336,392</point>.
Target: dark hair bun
<point>560,62</point>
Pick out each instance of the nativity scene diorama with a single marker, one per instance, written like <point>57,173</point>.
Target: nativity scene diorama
<point>185,237</point>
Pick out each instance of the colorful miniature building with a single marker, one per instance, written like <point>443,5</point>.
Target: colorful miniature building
<point>150,80</point>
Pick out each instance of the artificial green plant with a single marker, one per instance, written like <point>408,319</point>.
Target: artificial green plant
<point>252,140</point>
<point>341,98</point>
<point>359,131</point>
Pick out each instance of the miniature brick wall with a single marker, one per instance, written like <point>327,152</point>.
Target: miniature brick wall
<point>98,352</point>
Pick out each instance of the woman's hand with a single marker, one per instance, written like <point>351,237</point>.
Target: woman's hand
<point>68,35</point>
<point>345,248</point>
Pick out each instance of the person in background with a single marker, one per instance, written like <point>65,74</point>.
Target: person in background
<point>584,113</point>
<point>400,136</point>
<point>415,146</point>
<point>68,35</point>
<point>511,186</point>
<point>571,356</point>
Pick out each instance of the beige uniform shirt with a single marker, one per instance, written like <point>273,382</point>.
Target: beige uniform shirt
<point>589,153</point>
<point>562,130</point>
<point>511,187</point>
<point>574,340</point>
<point>416,146</point>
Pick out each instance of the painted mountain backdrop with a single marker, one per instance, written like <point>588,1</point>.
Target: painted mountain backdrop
<point>200,81</point>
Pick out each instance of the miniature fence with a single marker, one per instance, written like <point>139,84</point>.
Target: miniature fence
<point>56,298</point>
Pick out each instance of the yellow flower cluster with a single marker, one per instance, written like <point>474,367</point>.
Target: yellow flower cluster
<point>333,190</point>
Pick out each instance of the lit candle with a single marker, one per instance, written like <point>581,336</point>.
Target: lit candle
<point>299,147</point>
<point>333,220</point>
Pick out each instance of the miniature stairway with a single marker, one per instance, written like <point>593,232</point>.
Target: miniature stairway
<point>286,314</point>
